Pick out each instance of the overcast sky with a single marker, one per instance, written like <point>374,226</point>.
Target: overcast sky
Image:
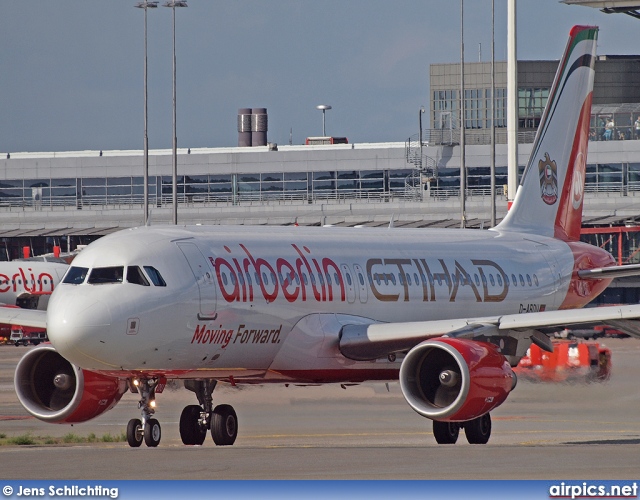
<point>71,72</point>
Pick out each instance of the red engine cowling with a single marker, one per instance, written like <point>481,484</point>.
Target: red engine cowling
<point>455,380</point>
<point>54,390</point>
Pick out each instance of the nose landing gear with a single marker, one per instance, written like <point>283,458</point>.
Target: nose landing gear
<point>144,428</point>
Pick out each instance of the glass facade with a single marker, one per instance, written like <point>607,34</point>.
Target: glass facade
<point>531,103</point>
<point>309,186</point>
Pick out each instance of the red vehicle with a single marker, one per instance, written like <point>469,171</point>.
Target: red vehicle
<point>570,361</point>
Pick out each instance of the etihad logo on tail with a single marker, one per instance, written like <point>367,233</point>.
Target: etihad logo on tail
<point>548,180</point>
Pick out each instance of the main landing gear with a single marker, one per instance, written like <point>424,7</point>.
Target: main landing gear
<point>145,428</point>
<point>195,420</point>
<point>477,431</point>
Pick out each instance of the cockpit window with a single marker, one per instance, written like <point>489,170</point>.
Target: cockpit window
<point>155,276</point>
<point>75,275</point>
<point>135,276</point>
<point>100,275</point>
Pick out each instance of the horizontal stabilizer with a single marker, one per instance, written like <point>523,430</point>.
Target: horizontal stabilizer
<point>609,272</point>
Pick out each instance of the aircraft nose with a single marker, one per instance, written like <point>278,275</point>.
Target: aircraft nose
<point>75,324</point>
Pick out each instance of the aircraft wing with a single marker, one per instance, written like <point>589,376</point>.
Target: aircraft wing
<point>373,341</point>
<point>24,317</point>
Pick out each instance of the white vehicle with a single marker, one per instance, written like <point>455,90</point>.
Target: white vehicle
<point>448,312</point>
<point>21,335</point>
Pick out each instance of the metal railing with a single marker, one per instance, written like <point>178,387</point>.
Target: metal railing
<point>414,190</point>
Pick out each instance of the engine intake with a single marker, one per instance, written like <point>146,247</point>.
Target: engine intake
<point>455,379</point>
<point>54,390</point>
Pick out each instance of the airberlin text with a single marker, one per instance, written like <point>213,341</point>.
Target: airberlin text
<point>303,277</point>
<point>241,335</point>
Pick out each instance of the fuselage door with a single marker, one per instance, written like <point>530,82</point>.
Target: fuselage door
<point>203,274</point>
<point>348,279</point>
<point>554,270</point>
<point>361,278</point>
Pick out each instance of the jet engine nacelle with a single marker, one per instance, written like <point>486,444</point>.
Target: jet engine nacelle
<point>455,380</point>
<point>54,390</point>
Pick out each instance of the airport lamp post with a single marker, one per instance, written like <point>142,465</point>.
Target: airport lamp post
<point>420,131</point>
<point>145,6</point>
<point>174,181</point>
<point>463,169</point>
<point>323,108</point>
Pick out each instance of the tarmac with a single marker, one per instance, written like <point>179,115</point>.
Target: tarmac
<point>543,431</point>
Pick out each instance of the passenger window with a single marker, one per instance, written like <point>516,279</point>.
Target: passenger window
<point>104,275</point>
<point>514,280</point>
<point>521,280</point>
<point>493,283</point>
<point>75,275</point>
<point>135,276</point>
<point>535,279</point>
<point>499,278</point>
<point>155,277</point>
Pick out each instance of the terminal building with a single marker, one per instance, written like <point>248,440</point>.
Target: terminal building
<point>71,198</point>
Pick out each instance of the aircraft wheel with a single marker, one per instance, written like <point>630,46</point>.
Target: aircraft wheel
<point>478,430</point>
<point>446,432</point>
<point>152,433</point>
<point>191,432</point>
<point>224,425</point>
<point>134,432</point>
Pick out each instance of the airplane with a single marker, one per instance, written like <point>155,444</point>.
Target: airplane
<point>447,312</point>
<point>28,283</point>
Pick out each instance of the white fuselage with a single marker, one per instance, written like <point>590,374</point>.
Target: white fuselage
<point>239,301</point>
